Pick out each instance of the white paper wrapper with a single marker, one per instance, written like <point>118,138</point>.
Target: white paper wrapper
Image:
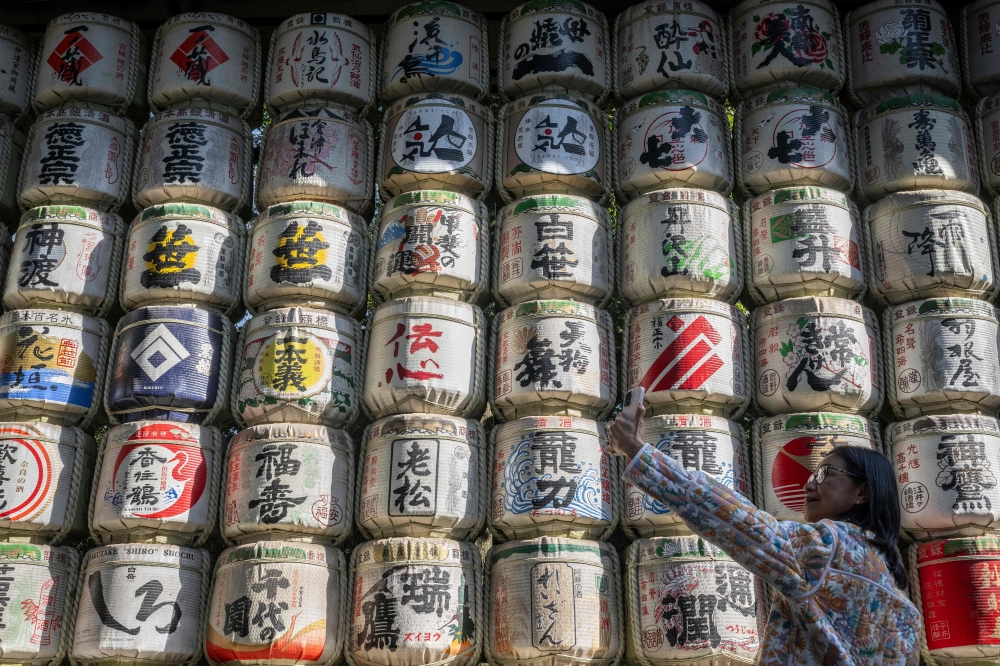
<point>18,50</point>
<point>424,475</point>
<point>979,41</point>
<point>433,589</point>
<point>141,601</point>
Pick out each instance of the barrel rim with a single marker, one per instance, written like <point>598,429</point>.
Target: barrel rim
<point>818,426</point>
<point>308,208</point>
<point>429,197</point>
<point>535,203</point>
<point>816,191</point>
<point>748,6</point>
<point>899,201</point>
<point>977,308</point>
<point>87,323</point>
<point>435,8</point>
<point>525,102</point>
<point>288,25</point>
<point>881,5</point>
<point>579,424</point>
<point>226,561</point>
<point>208,437</point>
<point>464,102</point>
<point>470,424</point>
<point>116,123</point>
<point>403,303</point>
<point>227,20</point>
<point>92,17</point>
<point>648,10</point>
<point>676,194</point>
<point>664,98</point>
<point>905,102</point>
<point>344,325</point>
<point>188,210</point>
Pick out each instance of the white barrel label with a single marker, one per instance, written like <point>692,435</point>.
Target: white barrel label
<point>35,587</point>
<point>555,139</point>
<point>434,139</point>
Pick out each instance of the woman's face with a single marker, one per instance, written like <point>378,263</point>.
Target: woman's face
<point>836,495</point>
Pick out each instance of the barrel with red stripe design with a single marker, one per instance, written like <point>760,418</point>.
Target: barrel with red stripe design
<point>690,355</point>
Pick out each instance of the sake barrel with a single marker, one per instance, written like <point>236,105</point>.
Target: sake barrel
<point>533,617</point>
<point>435,482</point>
<point>170,362</point>
<point>817,354</point>
<point>953,585</point>
<point>77,156</point>
<point>716,607</point>
<point>157,481</point>
<point>553,476</point>
<point>672,138</point>
<point>978,39</point>
<point>554,358</point>
<point>11,153</point>
<point>52,366</point>
<point>552,247</point>
<point>17,49</point>
<point>425,355</point>
<point>659,46</point>
<point>931,243</point>
<point>302,593</point>
<point>321,56</point>
<point>699,442</point>
<point>439,47</point>
<point>434,141</point>
<point>184,252</point>
<point>91,57</point>
<point>50,467</point>
<point>987,139</point>
<point>901,47</point>
<point>288,480</point>
<point>307,253</point>
<point>209,56</point>
<point>194,154</point>
<point>40,587</point>
<point>298,365</point>
<point>431,243</point>
<point>787,448</point>
<point>692,355</point>
<point>679,242</point>
<point>912,143</point>
<point>942,351</point>
<point>956,453</point>
<point>785,42</point>
<point>552,144</point>
<point>152,594</point>
<point>555,45</point>
<point>792,136</point>
<point>433,588</point>
<point>804,241</point>
<point>66,256</point>
<point>317,153</point>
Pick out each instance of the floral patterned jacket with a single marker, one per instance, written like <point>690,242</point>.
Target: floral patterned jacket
<point>837,603</point>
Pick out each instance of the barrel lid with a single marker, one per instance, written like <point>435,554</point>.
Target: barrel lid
<point>62,318</point>
<point>810,195</point>
<point>184,313</point>
<point>675,196</point>
<point>318,209</point>
<point>880,5</point>
<point>434,198</point>
<point>51,557</point>
<point>654,8</point>
<point>304,433</point>
<point>562,203</point>
<point>907,102</point>
<point>402,551</point>
<point>194,212</point>
<point>552,548</point>
<point>528,424</point>
<point>329,20</point>
<point>147,553</point>
<point>19,37</point>
<point>305,317</point>
<point>813,306</point>
<point>923,425</point>
<point>204,437</point>
<point>110,223</point>
<point>793,94</point>
<point>428,306</point>
<point>667,422</point>
<point>554,308</point>
<point>48,432</point>
<point>899,200</point>
<point>554,99</point>
<point>814,422</point>
<point>76,110</point>
<point>748,6</point>
<point>278,551</point>
<point>439,98</point>
<point>209,17</point>
<point>987,104</point>
<point>661,98</point>
<point>941,307</point>
<point>92,17</point>
<point>320,110</point>
<point>681,305</point>
<point>679,549</point>
<point>426,425</point>
<point>436,8</point>
<point>943,549</point>
<point>559,6</point>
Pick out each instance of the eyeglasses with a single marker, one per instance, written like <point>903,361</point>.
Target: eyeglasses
<point>819,476</point>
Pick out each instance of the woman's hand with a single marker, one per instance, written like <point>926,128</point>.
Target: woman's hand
<point>627,435</point>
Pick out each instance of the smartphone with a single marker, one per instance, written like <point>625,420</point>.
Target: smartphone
<point>631,402</point>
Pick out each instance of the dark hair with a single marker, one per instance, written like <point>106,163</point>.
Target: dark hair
<point>880,515</point>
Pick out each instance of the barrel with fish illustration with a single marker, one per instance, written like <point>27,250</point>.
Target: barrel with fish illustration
<point>306,253</point>
<point>184,252</point>
<point>436,141</point>
<point>305,595</point>
<point>194,154</point>
<point>68,257</point>
<point>931,243</point>
<point>52,366</point>
<point>425,355</point>
<point>552,358</point>
<point>11,154</point>
<point>450,53</point>
<point>435,590</point>
<point>51,468</point>
<point>696,61</point>
<point>687,602</point>
<point>298,365</point>
<point>77,155</point>
<point>209,56</point>
<point>692,355</point>
<point>141,601</point>
<point>699,442</point>
<point>977,37</point>
<point>18,50</point>
<point>435,483</point>
<point>553,476</point>
<point>319,153</point>
<point>528,582</point>
<point>170,362</point>
<point>323,56</point>
<point>826,256</point>
<point>157,482</point>
<point>680,242</point>
<point>787,448</point>
<point>431,243</point>
<point>91,57</point>
<point>40,588</point>
<point>552,143</point>
<point>817,354</point>
<point>293,481</point>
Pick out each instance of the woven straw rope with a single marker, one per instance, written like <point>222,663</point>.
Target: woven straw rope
<point>491,371</point>
<point>616,176</point>
<point>917,596</point>
<point>964,70</point>
<point>738,236</point>
<point>729,36</point>
<point>845,31</point>
<point>755,317</point>
<point>751,284</point>
<point>757,467</point>
<point>154,60</point>
<point>489,158</point>
<point>76,480</point>
<point>69,607</point>
<point>499,152</point>
<point>865,252</point>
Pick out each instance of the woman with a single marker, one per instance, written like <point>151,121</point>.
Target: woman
<point>839,576</point>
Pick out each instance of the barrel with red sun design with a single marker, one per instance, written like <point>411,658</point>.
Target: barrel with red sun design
<point>690,354</point>
<point>787,449</point>
<point>157,481</point>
